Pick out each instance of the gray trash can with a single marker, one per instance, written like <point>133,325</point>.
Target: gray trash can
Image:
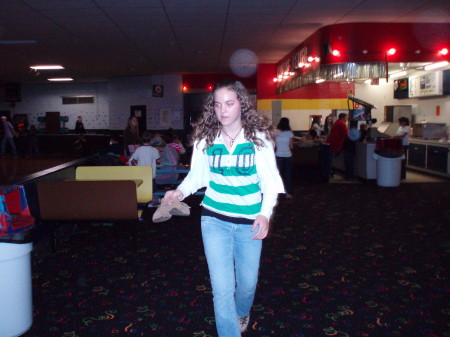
<point>16,304</point>
<point>389,170</point>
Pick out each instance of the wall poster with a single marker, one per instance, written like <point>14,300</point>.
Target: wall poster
<point>429,84</point>
<point>165,117</point>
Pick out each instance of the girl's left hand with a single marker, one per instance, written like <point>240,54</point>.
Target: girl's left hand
<point>262,223</point>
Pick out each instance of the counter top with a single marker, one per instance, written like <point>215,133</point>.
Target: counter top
<point>433,142</point>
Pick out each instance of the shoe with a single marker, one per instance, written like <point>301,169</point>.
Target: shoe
<point>166,210</point>
<point>179,208</point>
<point>243,323</point>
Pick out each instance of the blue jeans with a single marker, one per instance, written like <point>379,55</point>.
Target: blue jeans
<point>285,167</point>
<point>233,263</point>
<point>10,141</point>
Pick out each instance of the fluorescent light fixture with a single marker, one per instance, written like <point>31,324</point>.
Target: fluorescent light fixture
<point>47,67</point>
<point>399,74</point>
<point>60,79</point>
<point>18,42</point>
<point>436,65</point>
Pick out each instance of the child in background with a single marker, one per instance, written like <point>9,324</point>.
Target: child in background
<point>79,126</point>
<point>145,155</point>
<point>157,140</point>
<point>178,145</point>
<point>169,156</point>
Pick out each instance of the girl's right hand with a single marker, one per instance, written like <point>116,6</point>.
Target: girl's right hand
<point>174,194</point>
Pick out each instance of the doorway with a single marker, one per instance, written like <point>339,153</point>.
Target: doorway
<point>140,112</point>
<point>276,113</point>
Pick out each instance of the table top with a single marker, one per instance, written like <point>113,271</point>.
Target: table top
<point>138,182</point>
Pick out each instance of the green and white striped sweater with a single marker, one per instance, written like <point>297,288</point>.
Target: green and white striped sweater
<point>234,185</point>
<point>243,183</point>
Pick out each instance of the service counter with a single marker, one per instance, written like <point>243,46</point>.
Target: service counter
<point>365,164</point>
<point>427,156</point>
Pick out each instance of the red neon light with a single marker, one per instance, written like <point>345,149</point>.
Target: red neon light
<point>391,51</point>
<point>443,51</point>
<point>336,52</point>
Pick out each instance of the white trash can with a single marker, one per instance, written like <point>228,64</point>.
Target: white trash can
<point>16,303</point>
<point>389,170</point>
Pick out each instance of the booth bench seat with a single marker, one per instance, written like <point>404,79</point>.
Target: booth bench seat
<point>136,173</point>
<point>88,200</point>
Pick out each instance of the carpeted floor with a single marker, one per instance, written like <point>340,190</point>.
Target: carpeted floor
<point>344,260</point>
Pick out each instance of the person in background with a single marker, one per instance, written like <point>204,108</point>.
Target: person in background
<point>157,141</point>
<point>82,146</point>
<point>349,147</point>
<point>114,147</point>
<point>8,137</point>
<point>315,125</point>
<point>145,155</point>
<point>169,156</point>
<point>178,145</point>
<point>284,143</point>
<point>363,129</point>
<point>131,135</point>
<point>336,138</point>
<point>404,132</point>
<point>33,149</point>
<point>79,126</point>
<point>314,138</point>
<point>233,157</point>
<point>326,128</point>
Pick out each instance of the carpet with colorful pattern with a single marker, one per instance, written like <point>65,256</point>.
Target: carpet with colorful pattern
<point>344,260</point>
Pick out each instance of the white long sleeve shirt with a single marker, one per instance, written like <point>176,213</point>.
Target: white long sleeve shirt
<point>242,182</point>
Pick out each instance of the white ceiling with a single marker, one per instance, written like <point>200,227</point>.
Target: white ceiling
<point>100,39</point>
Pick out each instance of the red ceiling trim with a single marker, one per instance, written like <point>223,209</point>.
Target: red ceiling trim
<point>368,42</point>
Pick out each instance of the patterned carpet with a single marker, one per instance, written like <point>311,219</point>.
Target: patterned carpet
<point>344,260</point>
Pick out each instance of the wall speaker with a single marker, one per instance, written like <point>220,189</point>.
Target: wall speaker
<point>12,92</point>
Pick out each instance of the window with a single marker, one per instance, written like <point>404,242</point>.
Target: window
<point>78,100</point>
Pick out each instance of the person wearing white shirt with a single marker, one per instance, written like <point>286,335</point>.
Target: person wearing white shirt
<point>404,132</point>
<point>284,142</point>
<point>233,157</point>
<point>145,155</point>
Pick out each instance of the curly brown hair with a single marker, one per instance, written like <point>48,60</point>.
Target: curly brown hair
<point>208,126</point>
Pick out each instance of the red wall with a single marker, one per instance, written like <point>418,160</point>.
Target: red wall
<point>266,87</point>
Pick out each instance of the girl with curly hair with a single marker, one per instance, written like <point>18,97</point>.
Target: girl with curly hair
<point>233,157</point>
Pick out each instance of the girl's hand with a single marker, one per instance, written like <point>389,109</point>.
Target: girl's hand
<point>174,194</point>
<point>262,224</point>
